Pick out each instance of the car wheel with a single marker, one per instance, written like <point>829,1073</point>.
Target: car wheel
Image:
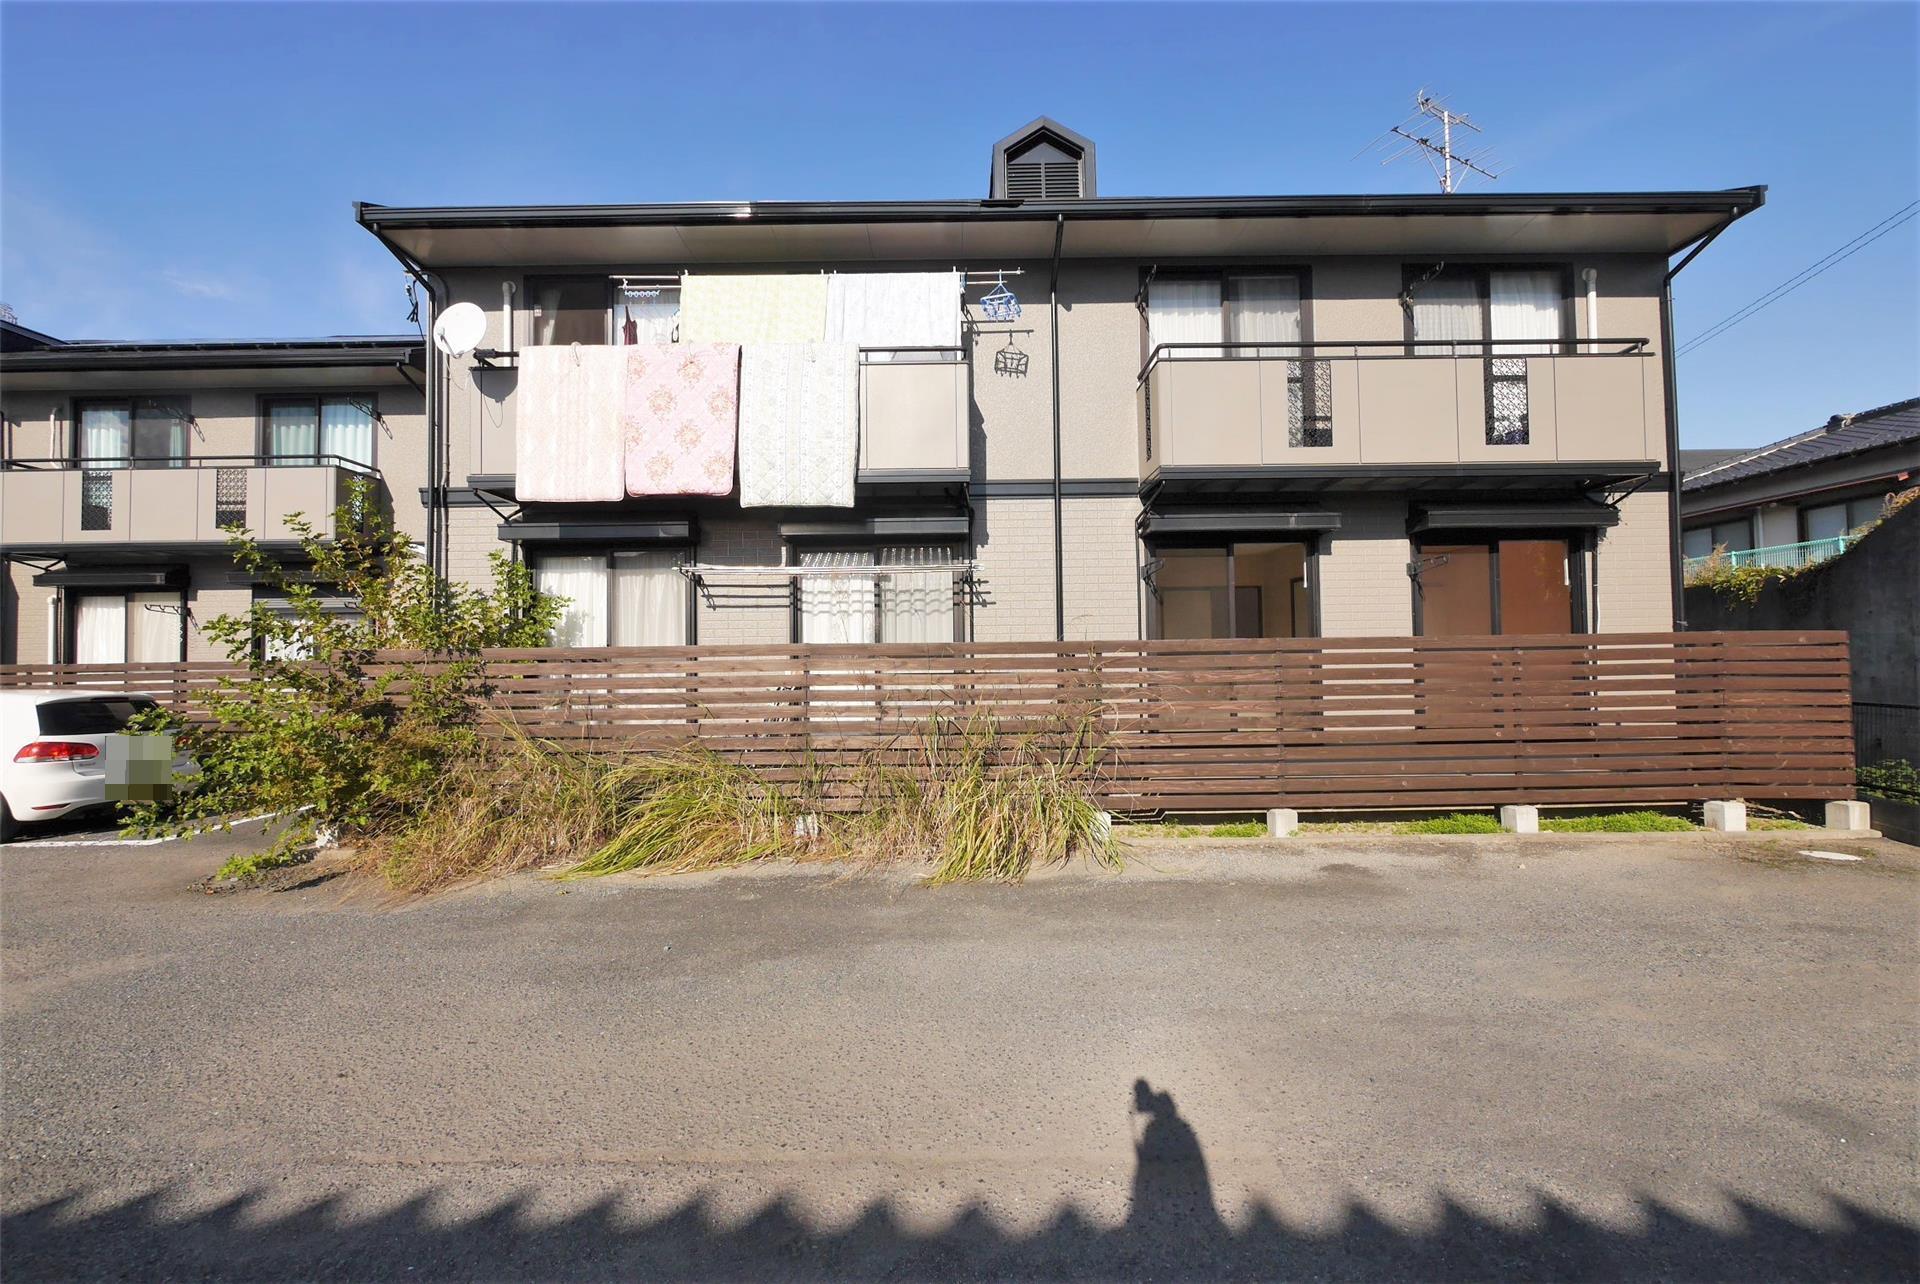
<point>9,827</point>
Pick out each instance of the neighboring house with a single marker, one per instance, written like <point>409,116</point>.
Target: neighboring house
<point>123,461</point>
<point>1213,417</point>
<point>1799,500</point>
<point>1206,417</point>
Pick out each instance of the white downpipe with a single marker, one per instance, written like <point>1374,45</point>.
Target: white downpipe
<point>506,316</point>
<point>53,626</point>
<point>1592,277</point>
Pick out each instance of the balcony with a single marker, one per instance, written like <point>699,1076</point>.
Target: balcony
<point>914,416</point>
<point>64,504</point>
<point>1289,408</point>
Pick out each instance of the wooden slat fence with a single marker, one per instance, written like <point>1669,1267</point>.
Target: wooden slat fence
<point>1219,725</point>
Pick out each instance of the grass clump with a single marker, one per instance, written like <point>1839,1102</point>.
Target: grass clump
<point>1460,822</point>
<point>983,806</point>
<point>686,810</point>
<point>254,864</point>
<point>1619,822</point>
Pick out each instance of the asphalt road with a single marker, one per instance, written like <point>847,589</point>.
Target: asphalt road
<point>1678,1057</point>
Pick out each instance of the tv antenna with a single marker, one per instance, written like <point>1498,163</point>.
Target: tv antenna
<point>1417,134</point>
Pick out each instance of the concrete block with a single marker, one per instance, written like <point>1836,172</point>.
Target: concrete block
<point>1282,821</point>
<point>1103,826</point>
<point>1848,815</point>
<point>806,827</point>
<point>1520,819</point>
<point>1727,817</point>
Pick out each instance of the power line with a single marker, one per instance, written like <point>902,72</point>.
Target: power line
<point>1800,278</point>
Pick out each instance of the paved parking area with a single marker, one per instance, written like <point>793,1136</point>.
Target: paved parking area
<point>1685,1056</point>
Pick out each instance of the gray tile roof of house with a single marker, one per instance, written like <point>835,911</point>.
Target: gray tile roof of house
<point>1840,436</point>
<point>1692,461</point>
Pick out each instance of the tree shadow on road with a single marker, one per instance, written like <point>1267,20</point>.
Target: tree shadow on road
<point>1172,1231</point>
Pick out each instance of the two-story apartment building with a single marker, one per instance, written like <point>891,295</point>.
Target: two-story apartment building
<point>1040,414</point>
<point>122,463</point>
<point>1250,416</point>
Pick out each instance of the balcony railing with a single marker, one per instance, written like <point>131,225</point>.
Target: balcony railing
<point>915,407</point>
<point>1261,404</point>
<point>1793,556</point>
<point>165,500</point>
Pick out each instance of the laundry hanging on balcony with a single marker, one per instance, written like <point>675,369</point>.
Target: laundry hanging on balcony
<point>754,308</point>
<point>880,310</point>
<point>682,416</point>
<point>569,442</point>
<point>799,424</point>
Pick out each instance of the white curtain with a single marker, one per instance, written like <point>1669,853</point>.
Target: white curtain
<point>100,629</point>
<point>1261,308</point>
<point>346,430</point>
<point>1525,305</point>
<point>582,583</point>
<point>158,625</point>
<point>106,433</point>
<point>649,600</point>
<point>916,606</point>
<point>836,608</point>
<point>1184,311</point>
<point>647,315</point>
<point>1447,308</point>
<point>293,430</point>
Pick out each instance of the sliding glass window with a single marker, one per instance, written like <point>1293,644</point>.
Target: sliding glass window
<point>1210,307</point>
<point>1469,587</point>
<point>909,596</point>
<point>137,432</point>
<point>305,430</point>
<point>1524,310</point>
<point>637,598</point>
<point>1232,591</point>
<point>118,628</point>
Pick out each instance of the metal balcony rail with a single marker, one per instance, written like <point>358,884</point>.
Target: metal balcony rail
<point>1384,349</point>
<point>57,463</point>
<point>1793,556</point>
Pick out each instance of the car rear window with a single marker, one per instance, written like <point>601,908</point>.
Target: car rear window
<point>90,717</point>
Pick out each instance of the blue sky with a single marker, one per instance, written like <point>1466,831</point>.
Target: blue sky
<point>185,171</point>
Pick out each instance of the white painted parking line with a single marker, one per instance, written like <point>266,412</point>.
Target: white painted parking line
<point>42,844</point>
<point>1819,855</point>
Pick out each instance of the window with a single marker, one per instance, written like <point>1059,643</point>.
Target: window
<point>1522,310</point>
<point>646,313</point>
<point>1830,521</point>
<point>93,716</point>
<point>1232,591</point>
<point>1473,587</point>
<point>306,430</point>
<point>1231,307</point>
<point>1734,534</point>
<point>569,309</point>
<point>138,432</point>
<point>118,628</point>
<point>616,599</point>
<point>909,597</point>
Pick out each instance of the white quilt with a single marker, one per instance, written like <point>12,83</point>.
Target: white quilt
<point>569,437</point>
<point>894,309</point>
<point>799,424</point>
<point>788,307</point>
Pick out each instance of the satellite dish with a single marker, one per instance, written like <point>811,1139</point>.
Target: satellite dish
<point>460,329</point>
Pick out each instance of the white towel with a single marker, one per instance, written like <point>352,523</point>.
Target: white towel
<point>781,308</point>
<point>894,309</point>
<point>569,438</point>
<point>799,424</point>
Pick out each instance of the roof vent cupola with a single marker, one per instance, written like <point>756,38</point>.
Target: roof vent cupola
<point>1042,161</point>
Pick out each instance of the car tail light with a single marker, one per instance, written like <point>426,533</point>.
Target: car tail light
<point>57,751</point>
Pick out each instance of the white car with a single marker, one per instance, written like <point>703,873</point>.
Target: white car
<point>52,751</point>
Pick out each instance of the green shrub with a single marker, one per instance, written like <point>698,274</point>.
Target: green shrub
<point>1619,822</point>
<point>1460,822</point>
<point>312,731</point>
<point>1896,779</point>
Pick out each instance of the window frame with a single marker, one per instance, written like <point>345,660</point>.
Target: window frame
<point>263,429</point>
<point>962,603</point>
<point>70,612</point>
<point>1580,545</point>
<point>1221,273</point>
<point>687,554</point>
<point>1711,525</point>
<point>1313,542</point>
<point>1802,511</point>
<point>131,400</point>
<point>529,282</point>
